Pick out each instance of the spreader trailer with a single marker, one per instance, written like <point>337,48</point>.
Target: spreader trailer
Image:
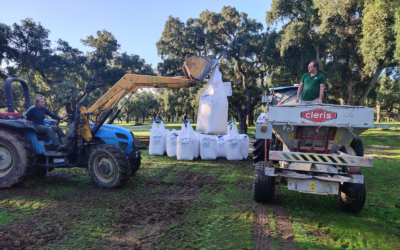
<point>310,144</point>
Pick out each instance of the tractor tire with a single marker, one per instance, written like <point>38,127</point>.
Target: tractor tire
<point>16,157</point>
<point>351,197</point>
<point>135,163</point>
<point>109,166</point>
<point>263,186</point>
<point>259,151</point>
<point>358,146</point>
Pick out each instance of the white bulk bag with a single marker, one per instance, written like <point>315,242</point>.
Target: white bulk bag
<point>233,144</point>
<point>185,147</point>
<point>208,147</point>
<point>157,139</point>
<point>221,146</point>
<point>196,143</point>
<point>213,107</point>
<point>245,145</point>
<point>172,140</point>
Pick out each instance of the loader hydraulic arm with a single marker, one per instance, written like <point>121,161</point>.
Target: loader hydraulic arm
<point>128,84</point>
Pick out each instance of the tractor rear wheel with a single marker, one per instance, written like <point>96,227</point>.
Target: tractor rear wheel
<point>351,197</point>
<point>135,162</point>
<point>16,157</point>
<point>109,166</point>
<point>263,186</point>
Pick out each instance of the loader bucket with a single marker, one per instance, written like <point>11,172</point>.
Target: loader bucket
<point>197,68</point>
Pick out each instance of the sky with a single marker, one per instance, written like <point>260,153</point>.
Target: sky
<point>137,25</point>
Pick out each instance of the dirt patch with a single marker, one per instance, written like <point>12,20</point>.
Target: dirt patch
<point>262,233</point>
<point>142,143</point>
<point>283,222</point>
<point>141,225</point>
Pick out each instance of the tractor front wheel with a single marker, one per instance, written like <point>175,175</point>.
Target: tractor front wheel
<point>16,157</point>
<point>109,166</point>
<point>136,161</point>
<point>351,197</point>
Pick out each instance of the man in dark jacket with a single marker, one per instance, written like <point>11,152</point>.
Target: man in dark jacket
<point>36,114</point>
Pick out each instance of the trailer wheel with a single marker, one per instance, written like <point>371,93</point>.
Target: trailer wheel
<point>109,166</point>
<point>135,162</point>
<point>263,186</point>
<point>259,151</point>
<point>16,156</point>
<point>351,197</point>
<point>358,146</point>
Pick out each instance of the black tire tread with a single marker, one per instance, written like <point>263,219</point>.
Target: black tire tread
<point>135,164</point>
<point>123,164</point>
<point>263,186</point>
<point>354,197</point>
<point>28,159</point>
<point>259,151</point>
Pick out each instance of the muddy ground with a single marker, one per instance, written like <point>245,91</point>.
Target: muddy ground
<point>164,206</point>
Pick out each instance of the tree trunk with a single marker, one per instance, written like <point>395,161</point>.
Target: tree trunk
<point>119,119</point>
<point>143,118</point>
<point>127,118</point>
<point>378,113</point>
<point>193,118</point>
<point>172,118</point>
<point>350,84</point>
<point>137,119</point>
<point>371,84</point>
<point>250,118</point>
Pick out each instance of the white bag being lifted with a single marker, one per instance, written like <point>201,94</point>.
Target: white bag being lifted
<point>208,147</point>
<point>172,139</point>
<point>233,144</point>
<point>213,107</point>
<point>157,140</point>
<point>185,147</point>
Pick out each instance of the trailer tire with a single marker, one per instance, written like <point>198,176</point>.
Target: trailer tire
<point>263,186</point>
<point>17,156</point>
<point>109,166</point>
<point>358,146</point>
<point>259,151</point>
<point>135,162</point>
<point>351,197</point>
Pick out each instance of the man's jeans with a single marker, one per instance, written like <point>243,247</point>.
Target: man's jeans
<point>49,131</point>
<point>309,102</point>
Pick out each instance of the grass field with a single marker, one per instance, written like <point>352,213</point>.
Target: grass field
<point>197,205</point>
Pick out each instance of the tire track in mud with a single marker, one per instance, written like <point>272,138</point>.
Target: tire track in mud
<point>144,221</point>
<point>263,235</point>
<point>262,238</point>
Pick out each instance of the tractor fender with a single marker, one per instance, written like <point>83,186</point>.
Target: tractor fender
<point>117,135</point>
<point>18,124</point>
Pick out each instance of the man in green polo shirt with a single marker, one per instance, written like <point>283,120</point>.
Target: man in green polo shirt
<point>311,86</point>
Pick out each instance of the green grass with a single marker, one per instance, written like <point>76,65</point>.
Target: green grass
<point>204,205</point>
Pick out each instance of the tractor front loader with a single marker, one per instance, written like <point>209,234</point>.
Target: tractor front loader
<point>108,151</point>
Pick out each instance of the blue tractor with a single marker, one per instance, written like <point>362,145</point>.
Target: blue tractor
<point>108,151</point>
<point>111,155</point>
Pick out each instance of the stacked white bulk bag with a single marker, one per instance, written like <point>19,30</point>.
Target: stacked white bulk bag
<point>221,146</point>
<point>166,131</point>
<point>172,141</point>
<point>185,146</point>
<point>213,107</point>
<point>233,144</point>
<point>208,147</point>
<point>245,145</point>
<point>157,138</point>
<point>221,142</point>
